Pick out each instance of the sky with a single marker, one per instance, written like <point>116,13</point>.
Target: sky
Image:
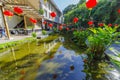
<point>62,4</point>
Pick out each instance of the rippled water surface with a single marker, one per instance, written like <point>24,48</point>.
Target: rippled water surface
<point>66,65</point>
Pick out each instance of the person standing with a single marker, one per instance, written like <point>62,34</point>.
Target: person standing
<point>3,32</point>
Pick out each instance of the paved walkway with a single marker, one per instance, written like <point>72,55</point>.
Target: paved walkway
<point>16,38</point>
<point>13,38</point>
<point>20,37</point>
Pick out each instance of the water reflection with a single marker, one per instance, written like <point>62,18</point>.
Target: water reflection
<point>65,65</point>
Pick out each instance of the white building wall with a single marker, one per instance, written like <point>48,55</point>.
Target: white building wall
<point>49,7</point>
<point>13,21</point>
<point>1,20</point>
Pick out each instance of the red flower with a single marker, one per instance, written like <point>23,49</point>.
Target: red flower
<point>90,23</point>
<point>110,25</point>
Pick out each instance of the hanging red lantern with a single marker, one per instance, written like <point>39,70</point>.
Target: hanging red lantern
<point>75,20</point>
<point>60,27</point>
<point>8,13</point>
<point>100,24</point>
<point>44,22</point>
<point>91,3</point>
<point>90,23</point>
<point>73,29</point>
<point>34,21</point>
<point>53,14</point>
<point>119,11</point>
<point>18,10</point>
<point>110,25</point>
<point>50,25</point>
<point>64,24</point>
<point>67,29</point>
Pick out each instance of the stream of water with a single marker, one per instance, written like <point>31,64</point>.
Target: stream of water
<point>65,64</point>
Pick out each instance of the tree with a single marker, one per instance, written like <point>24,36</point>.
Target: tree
<point>105,11</point>
<point>68,8</point>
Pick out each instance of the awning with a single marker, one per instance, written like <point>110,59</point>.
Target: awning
<point>27,7</point>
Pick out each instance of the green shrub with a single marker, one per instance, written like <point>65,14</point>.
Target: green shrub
<point>34,35</point>
<point>30,27</point>
<point>41,11</point>
<point>100,40</point>
<point>80,37</point>
<point>44,32</point>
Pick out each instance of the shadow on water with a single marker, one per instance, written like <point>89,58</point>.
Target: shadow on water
<point>66,65</point>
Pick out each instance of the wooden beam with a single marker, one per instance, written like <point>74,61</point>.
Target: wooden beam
<point>25,22</point>
<point>5,22</point>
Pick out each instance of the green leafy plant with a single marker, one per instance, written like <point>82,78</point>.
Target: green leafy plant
<point>41,11</point>
<point>100,40</point>
<point>34,35</point>
<point>44,32</point>
<point>80,37</point>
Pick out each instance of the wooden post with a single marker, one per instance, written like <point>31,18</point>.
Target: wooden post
<point>5,22</point>
<point>25,22</point>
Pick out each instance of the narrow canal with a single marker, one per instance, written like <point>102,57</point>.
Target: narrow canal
<point>29,61</point>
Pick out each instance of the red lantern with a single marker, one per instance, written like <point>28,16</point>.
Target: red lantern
<point>8,13</point>
<point>73,29</point>
<point>110,25</point>
<point>18,10</point>
<point>44,22</point>
<point>53,14</point>
<point>67,29</point>
<point>90,23</point>
<point>50,25</point>
<point>100,24</point>
<point>60,27</point>
<point>34,21</point>
<point>91,3</point>
<point>64,24</point>
<point>75,20</point>
<point>119,11</point>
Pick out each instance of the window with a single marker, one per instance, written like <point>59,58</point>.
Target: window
<point>45,13</point>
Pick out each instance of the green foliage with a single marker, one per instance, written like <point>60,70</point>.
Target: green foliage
<point>34,35</point>
<point>105,11</point>
<point>41,11</point>
<point>100,40</point>
<point>68,8</point>
<point>44,32</point>
<point>80,37</point>
<point>30,27</point>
